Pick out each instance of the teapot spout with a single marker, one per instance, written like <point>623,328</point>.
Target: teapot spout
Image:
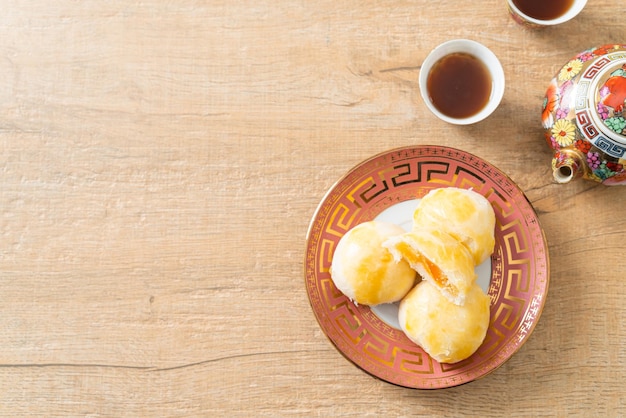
<point>567,165</point>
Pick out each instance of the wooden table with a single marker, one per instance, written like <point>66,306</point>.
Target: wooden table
<point>160,164</point>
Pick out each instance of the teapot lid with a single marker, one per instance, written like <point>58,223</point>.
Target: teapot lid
<point>600,102</point>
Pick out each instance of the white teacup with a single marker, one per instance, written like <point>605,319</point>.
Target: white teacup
<point>482,53</point>
<point>534,22</point>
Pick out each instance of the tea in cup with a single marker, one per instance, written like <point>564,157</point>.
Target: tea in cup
<point>543,13</point>
<point>461,81</point>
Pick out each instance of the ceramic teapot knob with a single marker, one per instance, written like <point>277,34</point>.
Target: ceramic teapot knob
<point>584,117</point>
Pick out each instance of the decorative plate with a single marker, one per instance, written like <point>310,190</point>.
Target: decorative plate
<point>388,187</point>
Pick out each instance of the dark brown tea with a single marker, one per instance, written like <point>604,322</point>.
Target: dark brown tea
<point>459,85</point>
<point>544,9</point>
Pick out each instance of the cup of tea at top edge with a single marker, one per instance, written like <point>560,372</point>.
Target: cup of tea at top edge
<point>461,81</point>
<point>542,13</point>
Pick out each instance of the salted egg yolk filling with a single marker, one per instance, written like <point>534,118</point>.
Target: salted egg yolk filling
<point>431,269</point>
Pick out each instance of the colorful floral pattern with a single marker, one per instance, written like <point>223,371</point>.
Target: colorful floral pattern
<point>570,70</point>
<point>585,56</point>
<point>562,113</point>
<point>616,124</point>
<point>564,132</point>
<point>610,107</point>
<point>549,104</point>
<point>583,146</point>
<point>593,160</point>
<point>558,117</point>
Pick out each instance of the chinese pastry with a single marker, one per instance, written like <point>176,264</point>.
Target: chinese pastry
<point>365,271</point>
<point>448,332</point>
<point>464,214</point>
<point>438,258</point>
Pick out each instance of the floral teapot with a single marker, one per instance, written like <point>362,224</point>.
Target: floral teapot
<point>584,116</point>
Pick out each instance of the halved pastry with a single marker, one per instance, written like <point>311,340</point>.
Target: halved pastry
<point>466,215</point>
<point>365,271</point>
<point>447,332</point>
<point>438,258</point>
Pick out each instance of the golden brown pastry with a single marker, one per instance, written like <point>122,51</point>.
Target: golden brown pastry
<point>464,214</point>
<point>447,332</point>
<point>365,271</point>
<point>438,258</point>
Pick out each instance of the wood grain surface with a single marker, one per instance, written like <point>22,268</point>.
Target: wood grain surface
<point>160,162</point>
